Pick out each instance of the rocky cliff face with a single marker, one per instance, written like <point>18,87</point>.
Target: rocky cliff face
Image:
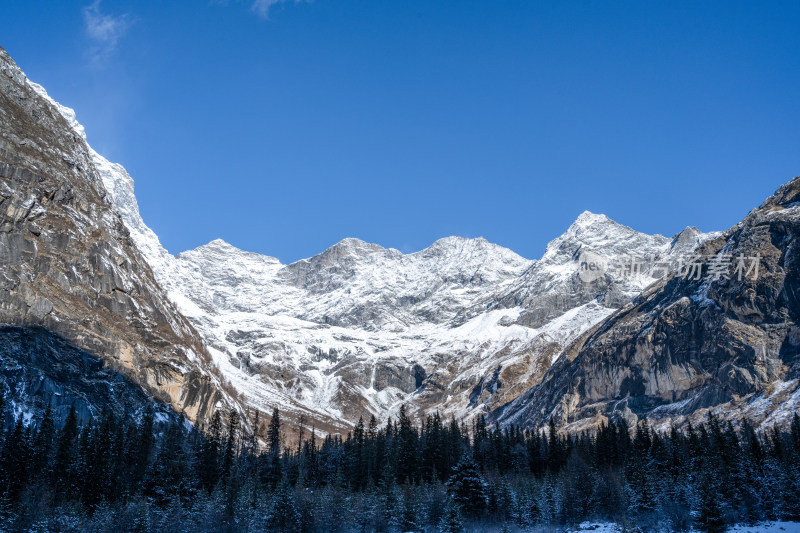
<point>721,334</point>
<point>68,263</point>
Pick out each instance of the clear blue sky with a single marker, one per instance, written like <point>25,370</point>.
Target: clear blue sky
<point>283,127</point>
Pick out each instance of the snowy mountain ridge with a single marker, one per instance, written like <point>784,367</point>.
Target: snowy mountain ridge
<point>460,327</point>
<point>353,283</point>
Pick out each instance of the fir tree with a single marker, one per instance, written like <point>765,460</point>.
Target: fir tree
<point>272,470</point>
<point>15,460</point>
<point>451,521</point>
<point>143,447</point>
<point>709,517</point>
<point>283,515</point>
<point>713,475</point>
<point>468,487</point>
<point>230,442</point>
<point>407,448</point>
<point>65,453</point>
<point>209,462</point>
<point>43,443</point>
<point>274,434</point>
<point>795,433</point>
<point>7,515</point>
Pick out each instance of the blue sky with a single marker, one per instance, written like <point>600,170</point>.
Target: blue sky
<point>283,127</point>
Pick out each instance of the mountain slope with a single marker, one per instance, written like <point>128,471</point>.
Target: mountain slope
<point>725,340</point>
<point>67,260</point>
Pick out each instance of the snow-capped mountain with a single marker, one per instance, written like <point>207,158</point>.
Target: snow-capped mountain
<point>462,327</point>
<point>360,329</point>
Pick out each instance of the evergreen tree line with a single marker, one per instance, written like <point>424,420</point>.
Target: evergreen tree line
<point>118,475</point>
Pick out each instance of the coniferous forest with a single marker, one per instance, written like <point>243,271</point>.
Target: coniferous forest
<point>119,475</point>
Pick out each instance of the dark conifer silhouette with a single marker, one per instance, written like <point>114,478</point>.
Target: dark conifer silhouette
<point>440,475</point>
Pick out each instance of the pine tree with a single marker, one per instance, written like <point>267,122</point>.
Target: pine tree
<point>709,517</point>
<point>555,453</point>
<point>252,441</point>
<point>231,442</point>
<point>43,443</point>
<point>63,463</point>
<point>274,433</point>
<point>15,460</point>
<point>407,448</point>
<point>143,447</point>
<point>712,475</point>
<point>209,460</point>
<point>97,457</point>
<point>283,515</point>
<point>301,427</point>
<point>273,471</point>
<point>451,521</point>
<point>371,459</point>
<point>577,488</point>
<point>790,489</point>
<point>7,515</point>
<point>311,460</point>
<point>468,487</point>
<point>169,479</point>
<point>411,512</point>
<point>795,433</point>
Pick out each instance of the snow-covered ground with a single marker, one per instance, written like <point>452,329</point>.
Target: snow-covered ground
<point>764,527</point>
<point>768,527</point>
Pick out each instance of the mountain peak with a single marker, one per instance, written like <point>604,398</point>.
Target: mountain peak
<point>459,239</point>
<point>216,245</point>
<point>602,235</point>
<point>587,219</point>
<point>354,242</point>
<point>352,245</point>
<point>220,251</point>
<point>456,241</point>
<point>593,226</point>
<point>475,248</point>
<point>220,243</point>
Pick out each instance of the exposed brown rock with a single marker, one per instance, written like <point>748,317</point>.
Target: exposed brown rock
<point>67,263</point>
